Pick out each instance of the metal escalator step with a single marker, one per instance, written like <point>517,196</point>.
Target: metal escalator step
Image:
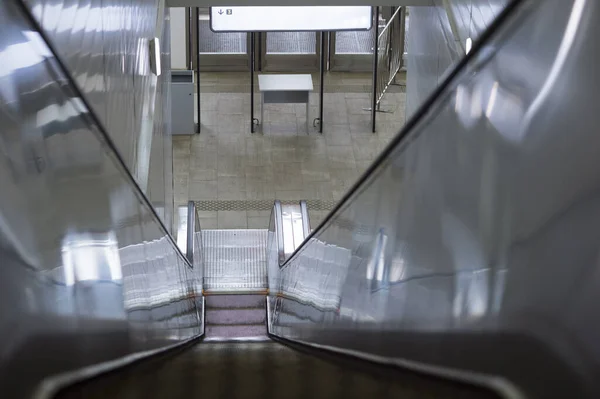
<point>235,260</point>
<point>235,316</point>
<point>234,301</point>
<point>223,332</point>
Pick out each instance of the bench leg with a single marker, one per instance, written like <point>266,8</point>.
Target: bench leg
<point>307,115</point>
<point>262,112</point>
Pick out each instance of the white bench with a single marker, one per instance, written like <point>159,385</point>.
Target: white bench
<point>284,89</point>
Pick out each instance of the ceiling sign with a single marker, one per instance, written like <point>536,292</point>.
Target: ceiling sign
<point>268,19</point>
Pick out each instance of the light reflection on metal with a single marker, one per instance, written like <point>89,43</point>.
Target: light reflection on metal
<point>376,265</point>
<point>565,48</point>
<point>182,228</point>
<point>91,257</point>
<point>468,45</point>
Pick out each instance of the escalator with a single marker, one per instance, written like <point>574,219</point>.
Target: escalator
<point>462,264</point>
<point>258,367</point>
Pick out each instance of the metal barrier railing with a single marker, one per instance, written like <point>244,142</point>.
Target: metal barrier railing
<point>389,58</point>
<point>390,55</point>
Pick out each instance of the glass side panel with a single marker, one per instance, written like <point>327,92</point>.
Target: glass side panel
<point>291,43</point>
<point>471,249</point>
<point>354,42</point>
<point>221,43</point>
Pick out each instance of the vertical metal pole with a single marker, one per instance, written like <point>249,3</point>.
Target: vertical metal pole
<point>402,36</point>
<point>197,49</point>
<point>189,49</point>
<point>375,56</point>
<point>252,44</point>
<point>322,82</point>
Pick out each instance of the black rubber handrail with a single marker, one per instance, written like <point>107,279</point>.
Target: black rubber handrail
<point>191,231</point>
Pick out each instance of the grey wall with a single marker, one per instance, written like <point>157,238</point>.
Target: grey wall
<point>105,45</point>
<point>437,38</point>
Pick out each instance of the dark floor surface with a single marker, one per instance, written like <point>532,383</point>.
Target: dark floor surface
<point>262,370</point>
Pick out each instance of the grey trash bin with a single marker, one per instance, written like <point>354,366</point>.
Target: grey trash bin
<point>182,102</point>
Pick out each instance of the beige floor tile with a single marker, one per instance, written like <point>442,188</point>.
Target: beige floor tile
<point>209,102</point>
<point>366,148</point>
<point>204,139</point>
<point>209,118</point>
<point>294,195</point>
<point>280,155</point>
<point>334,118</point>
<point>207,219</point>
<point>231,165</point>
<point>315,171</point>
<point>280,116</point>
<point>231,187</point>
<point>181,187</point>
<point>318,190</point>
<point>258,222</point>
<point>254,214</point>
<point>208,223</point>
<point>360,125</point>
<point>312,144</point>
<point>231,123</point>
<point>260,189</point>
<point>232,220</point>
<point>343,179</point>
<point>282,128</point>
<point>358,106</point>
<point>316,217</point>
<point>258,150</point>
<point>203,166</point>
<point>362,166</point>
<point>260,173</point>
<point>341,157</point>
<point>203,190</point>
<point>338,194</point>
<point>337,134</point>
<point>233,105</point>
<point>288,176</point>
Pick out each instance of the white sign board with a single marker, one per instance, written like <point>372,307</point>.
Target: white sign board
<point>268,19</point>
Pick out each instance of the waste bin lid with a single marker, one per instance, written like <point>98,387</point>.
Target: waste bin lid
<point>182,76</point>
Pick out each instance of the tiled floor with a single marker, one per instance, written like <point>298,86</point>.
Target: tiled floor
<point>227,162</point>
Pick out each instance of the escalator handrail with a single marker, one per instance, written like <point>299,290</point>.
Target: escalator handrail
<point>191,231</point>
<point>408,129</point>
<point>278,215</point>
<point>100,128</point>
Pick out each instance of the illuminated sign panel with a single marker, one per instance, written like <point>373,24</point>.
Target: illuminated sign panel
<point>268,19</point>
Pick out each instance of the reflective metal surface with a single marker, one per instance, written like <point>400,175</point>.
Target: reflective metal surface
<point>87,272</point>
<point>472,248</point>
<point>438,37</point>
<point>105,45</point>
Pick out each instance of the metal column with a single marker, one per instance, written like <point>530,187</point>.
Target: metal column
<point>197,49</point>
<point>375,56</point>
<point>321,81</point>
<point>252,62</point>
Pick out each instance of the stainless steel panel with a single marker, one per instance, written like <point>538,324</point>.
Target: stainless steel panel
<point>471,250</point>
<point>438,38</point>
<point>105,45</point>
<point>88,273</point>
